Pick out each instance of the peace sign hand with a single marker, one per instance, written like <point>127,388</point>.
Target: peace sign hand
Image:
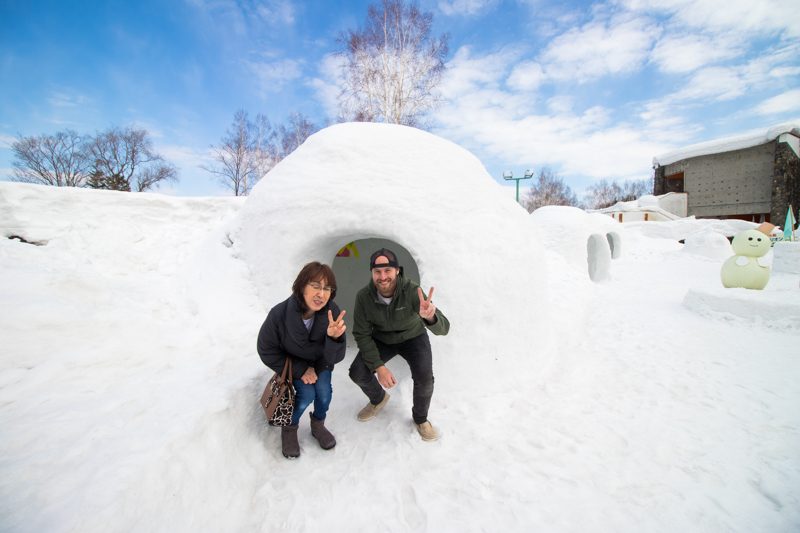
<point>426,308</point>
<point>336,327</point>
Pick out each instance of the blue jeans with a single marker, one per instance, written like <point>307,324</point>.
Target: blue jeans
<point>320,394</point>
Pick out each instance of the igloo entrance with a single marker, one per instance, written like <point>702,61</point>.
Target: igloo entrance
<point>351,266</point>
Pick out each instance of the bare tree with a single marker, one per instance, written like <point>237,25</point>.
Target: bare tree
<point>392,66</point>
<point>245,153</point>
<point>606,193</point>
<point>548,189</point>
<point>295,133</point>
<point>124,160</point>
<point>58,159</point>
<point>633,189</point>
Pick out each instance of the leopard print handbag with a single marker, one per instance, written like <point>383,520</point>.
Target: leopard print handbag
<point>277,400</point>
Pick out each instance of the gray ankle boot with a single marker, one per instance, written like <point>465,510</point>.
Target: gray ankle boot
<point>289,444</point>
<point>321,433</point>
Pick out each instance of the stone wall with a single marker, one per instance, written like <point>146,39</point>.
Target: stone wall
<point>725,184</point>
<point>785,183</point>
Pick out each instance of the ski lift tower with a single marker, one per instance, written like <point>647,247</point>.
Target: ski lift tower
<point>509,175</point>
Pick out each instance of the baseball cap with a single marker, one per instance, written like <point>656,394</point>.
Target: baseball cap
<point>388,254</point>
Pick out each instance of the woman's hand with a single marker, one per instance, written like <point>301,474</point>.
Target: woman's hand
<point>309,377</point>
<point>336,327</point>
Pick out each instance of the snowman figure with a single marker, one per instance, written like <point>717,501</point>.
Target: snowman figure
<point>751,265</point>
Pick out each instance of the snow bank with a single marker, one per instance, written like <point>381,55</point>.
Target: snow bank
<point>129,384</point>
<point>682,228</point>
<point>357,181</point>
<point>787,257</point>
<point>771,308</point>
<point>708,244</point>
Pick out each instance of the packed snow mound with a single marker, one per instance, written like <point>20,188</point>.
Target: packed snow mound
<point>357,181</point>
<point>683,228</point>
<point>648,200</point>
<point>583,239</point>
<point>708,244</point>
<point>777,307</point>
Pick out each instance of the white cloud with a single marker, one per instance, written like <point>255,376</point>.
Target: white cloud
<point>503,125</point>
<point>274,12</point>
<point>783,103</point>
<point>685,53</point>
<point>763,17</point>
<point>465,72</point>
<point>714,83</point>
<point>599,48</point>
<point>67,99</point>
<point>328,84</point>
<point>240,18</point>
<point>583,144</point>
<point>560,105</point>
<point>272,76</point>
<point>465,7</point>
<point>6,141</point>
<point>526,76</point>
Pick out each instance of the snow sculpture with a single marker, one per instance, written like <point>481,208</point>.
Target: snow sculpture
<point>615,244</point>
<point>467,236</point>
<point>572,233</point>
<point>749,268</point>
<point>708,243</point>
<point>598,257</point>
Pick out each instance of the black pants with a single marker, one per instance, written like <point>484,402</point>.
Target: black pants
<point>417,353</point>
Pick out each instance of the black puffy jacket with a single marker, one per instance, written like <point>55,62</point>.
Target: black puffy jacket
<point>283,333</point>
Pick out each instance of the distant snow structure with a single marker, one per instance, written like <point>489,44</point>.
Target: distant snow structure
<point>582,238</point>
<point>670,206</point>
<point>749,176</point>
<point>709,244</point>
<point>364,184</point>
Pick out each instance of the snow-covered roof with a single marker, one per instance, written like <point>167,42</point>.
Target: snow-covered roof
<point>728,144</point>
<point>648,203</point>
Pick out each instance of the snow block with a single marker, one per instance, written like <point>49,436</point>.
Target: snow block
<point>778,309</point>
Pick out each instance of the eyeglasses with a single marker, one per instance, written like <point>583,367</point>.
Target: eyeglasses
<point>317,287</point>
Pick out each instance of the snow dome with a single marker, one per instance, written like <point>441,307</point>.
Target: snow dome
<point>371,185</point>
<point>586,240</point>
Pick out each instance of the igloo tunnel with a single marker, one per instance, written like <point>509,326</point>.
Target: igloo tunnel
<point>356,182</point>
<point>351,267</point>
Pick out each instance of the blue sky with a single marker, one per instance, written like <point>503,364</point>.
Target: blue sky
<point>592,90</point>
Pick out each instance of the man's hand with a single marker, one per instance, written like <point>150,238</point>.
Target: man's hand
<point>385,377</point>
<point>336,327</point>
<point>426,308</point>
<point>309,377</point>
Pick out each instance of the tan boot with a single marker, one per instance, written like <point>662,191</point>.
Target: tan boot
<point>289,444</point>
<point>427,431</point>
<point>370,410</point>
<point>320,432</point>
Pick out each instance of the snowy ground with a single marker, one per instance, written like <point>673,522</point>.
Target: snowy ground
<point>129,384</point>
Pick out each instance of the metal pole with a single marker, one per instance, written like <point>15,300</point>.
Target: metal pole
<point>508,176</point>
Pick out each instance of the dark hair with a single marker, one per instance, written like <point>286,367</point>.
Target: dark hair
<point>313,271</point>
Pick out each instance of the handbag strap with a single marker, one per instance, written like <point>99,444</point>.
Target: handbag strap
<point>287,367</point>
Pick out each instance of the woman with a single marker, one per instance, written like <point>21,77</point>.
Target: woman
<point>303,327</point>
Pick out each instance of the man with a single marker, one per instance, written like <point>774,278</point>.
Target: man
<point>391,318</point>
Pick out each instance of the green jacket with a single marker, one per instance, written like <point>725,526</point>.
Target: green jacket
<point>390,324</point>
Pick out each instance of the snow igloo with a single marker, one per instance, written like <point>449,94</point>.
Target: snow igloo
<point>453,227</point>
<point>590,240</point>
